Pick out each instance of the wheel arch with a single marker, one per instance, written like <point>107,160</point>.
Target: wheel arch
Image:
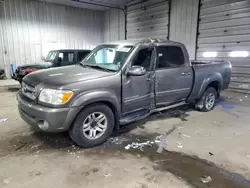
<point>213,80</point>
<point>99,97</point>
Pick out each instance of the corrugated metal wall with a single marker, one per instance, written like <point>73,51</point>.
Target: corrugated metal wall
<point>114,25</point>
<point>183,23</point>
<point>224,27</point>
<point>30,28</point>
<point>149,19</point>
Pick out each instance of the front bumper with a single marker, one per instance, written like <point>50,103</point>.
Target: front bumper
<point>59,119</point>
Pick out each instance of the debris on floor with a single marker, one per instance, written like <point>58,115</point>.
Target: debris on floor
<point>21,146</point>
<point>140,146</point>
<point>163,160</point>
<point>3,120</point>
<point>206,179</point>
<point>183,135</point>
<point>7,181</point>
<point>117,140</point>
<point>180,127</point>
<point>161,145</point>
<point>158,139</point>
<point>241,100</point>
<point>107,175</point>
<point>179,145</point>
<point>211,154</point>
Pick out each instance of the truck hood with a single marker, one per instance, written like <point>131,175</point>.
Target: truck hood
<point>56,77</point>
<point>41,65</point>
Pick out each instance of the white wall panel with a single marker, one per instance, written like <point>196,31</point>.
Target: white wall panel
<point>31,28</point>
<point>149,19</point>
<point>224,26</point>
<point>114,25</point>
<point>183,23</point>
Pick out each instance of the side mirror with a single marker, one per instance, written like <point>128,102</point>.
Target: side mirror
<point>137,71</point>
<point>59,59</point>
<point>43,58</point>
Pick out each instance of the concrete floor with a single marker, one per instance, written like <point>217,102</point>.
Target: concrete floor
<point>9,82</point>
<point>198,144</point>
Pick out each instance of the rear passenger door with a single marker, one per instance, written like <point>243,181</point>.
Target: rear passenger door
<point>174,76</point>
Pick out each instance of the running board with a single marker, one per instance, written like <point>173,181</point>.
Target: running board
<point>138,117</point>
<point>168,107</point>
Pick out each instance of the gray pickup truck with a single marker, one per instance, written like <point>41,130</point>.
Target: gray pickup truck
<point>116,84</point>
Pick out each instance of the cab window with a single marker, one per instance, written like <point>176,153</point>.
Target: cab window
<point>169,57</point>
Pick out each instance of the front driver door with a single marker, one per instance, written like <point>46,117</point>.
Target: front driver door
<point>174,76</point>
<point>138,91</point>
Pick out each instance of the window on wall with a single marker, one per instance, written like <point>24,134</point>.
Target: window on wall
<point>170,57</point>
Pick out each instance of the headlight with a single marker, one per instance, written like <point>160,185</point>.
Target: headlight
<point>55,97</point>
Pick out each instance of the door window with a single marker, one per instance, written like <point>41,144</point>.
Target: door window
<point>170,57</point>
<point>143,58</point>
<point>67,57</point>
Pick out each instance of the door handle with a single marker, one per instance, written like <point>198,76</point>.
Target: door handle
<point>186,73</point>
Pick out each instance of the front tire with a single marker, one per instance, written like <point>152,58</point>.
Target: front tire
<point>208,100</point>
<point>93,126</point>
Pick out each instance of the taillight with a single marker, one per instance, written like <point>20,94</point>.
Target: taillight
<point>27,71</point>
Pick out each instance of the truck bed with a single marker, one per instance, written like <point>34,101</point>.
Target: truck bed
<point>206,71</point>
<point>201,62</point>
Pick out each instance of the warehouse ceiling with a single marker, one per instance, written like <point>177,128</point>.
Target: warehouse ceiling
<point>84,3</point>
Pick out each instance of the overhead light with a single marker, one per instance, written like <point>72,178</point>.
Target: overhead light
<point>210,54</point>
<point>239,54</point>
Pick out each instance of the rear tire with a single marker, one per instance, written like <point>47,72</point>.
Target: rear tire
<point>208,100</point>
<point>93,126</point>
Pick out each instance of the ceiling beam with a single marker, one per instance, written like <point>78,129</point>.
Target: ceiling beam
<point>101,5</point>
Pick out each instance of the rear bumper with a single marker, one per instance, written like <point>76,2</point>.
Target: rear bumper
<point>59,119</point>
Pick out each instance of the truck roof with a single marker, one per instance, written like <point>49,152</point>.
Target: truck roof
<point>145,41</point>
<point>66,50</point>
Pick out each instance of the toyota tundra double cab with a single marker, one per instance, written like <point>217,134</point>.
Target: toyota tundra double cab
<point>116,84</point>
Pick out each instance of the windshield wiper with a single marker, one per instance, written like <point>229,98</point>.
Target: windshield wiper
<point>83,65</point>
<point>100,67</point>
<point>97,67</point>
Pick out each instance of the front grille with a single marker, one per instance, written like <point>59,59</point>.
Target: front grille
<point>28,91</point>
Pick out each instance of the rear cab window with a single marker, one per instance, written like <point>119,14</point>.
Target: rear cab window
<point>169,57</point>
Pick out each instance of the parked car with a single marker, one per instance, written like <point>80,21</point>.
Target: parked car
<point>2,74</point>
<point>116,84</point>
<point>56,58</point>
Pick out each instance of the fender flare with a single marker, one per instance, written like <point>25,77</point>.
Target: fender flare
<point>104,96</point>
<point>214,77</point>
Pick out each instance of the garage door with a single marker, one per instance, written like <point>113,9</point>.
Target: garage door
<point>148,19</point>
<point>224,34</point>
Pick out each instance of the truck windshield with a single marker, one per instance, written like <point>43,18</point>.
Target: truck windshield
<point>51,56</point>
<point>109,57</point>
